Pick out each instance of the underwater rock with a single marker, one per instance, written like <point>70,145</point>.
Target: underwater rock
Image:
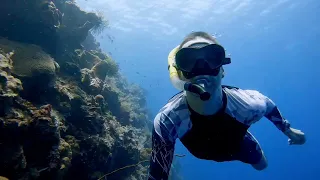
<point>79,108</point>
<point>132,106</point>
<point>58,26</point>
<point>94,155</point>
<point>87,59</point>
<point>100,70</point>
<point>32,21</point>
<point>127,102</point>
<point>90,43</point>
<point>91,83</point>
<point>93,79</point>
<point>32,11</point>
<point>49,13</point>
<point>105,68</point>
<point>65,151</point>
<point>29,60</point>
<point>101,55</point>
<point>35,68</point>
<point>99,100</point>
<point>88,120</point>
<point>127,149</point>
<point>12,158</point>
<point>9,85</point>
<point>111,95</point>
<point>30,137</point>
<point>77,23</point>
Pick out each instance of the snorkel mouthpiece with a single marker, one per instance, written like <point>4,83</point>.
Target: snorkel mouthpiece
<point>197,89</point>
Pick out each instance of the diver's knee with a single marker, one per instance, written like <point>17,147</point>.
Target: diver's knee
<point>261,165</point>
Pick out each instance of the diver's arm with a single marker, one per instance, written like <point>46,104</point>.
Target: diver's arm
<point>277,119</point>
<point>274,115</point>
<point>270,110</point>
<point>161,158</point>
<point>162,152</point>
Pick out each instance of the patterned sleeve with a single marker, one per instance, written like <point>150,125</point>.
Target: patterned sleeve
<point>273,113</point>
<point>162,150</point>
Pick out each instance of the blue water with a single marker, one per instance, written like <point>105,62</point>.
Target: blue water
<point>274,45</point>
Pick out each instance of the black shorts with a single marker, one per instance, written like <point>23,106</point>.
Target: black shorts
<point>247,150</point>
<point>250,151</point>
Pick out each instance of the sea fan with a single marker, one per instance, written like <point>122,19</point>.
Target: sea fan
<point>101,24</point>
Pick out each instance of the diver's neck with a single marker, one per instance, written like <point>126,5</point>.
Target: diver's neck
<point>209,107</point>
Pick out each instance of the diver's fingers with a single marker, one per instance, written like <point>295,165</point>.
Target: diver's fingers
<point>291,142</point>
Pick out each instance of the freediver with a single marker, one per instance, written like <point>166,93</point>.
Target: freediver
<point>210,119</point>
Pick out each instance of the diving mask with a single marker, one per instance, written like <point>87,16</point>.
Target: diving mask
<point>207,60</point>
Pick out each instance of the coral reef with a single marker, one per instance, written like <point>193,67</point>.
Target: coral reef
<point>65,110</point>
<point>29,140</point>
<point>28,59</point>
<point>34,67</point>
<point>9,85</point>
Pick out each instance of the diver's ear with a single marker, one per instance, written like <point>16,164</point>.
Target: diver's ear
<point>222,72</point>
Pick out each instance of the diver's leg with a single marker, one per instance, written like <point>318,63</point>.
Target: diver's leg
<point>251,153</point>
<point>262,164</point>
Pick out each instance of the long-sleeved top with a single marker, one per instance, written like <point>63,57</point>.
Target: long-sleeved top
<point>174,121</point>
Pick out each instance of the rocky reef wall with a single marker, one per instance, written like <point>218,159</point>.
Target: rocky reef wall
<point>65,110</point>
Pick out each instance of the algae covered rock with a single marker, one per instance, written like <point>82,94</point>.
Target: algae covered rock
<point>92,58</point>
<point>93,79</point>
<point>86,59</point>
<point>90,43</point>
<point>79,108</point>
<point>34,67</point>
<point>104,68</point>
<point>43,11</point>
<point>9,85</point>
<point>65,151</point>
<point>79,22</point>
<point>29,141</point>
<point>91,83</point>
<point>29,60</point>
<point>89,120</point>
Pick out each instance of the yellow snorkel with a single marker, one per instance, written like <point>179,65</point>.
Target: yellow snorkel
<point>180,84</point>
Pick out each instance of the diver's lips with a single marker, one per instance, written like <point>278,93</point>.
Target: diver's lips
<point>204,82</point>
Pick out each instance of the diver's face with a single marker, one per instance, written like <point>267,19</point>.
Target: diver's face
<point>200,57</point>
<point>207,81</point>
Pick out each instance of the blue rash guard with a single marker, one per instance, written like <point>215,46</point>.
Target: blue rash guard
<point>219,137</point>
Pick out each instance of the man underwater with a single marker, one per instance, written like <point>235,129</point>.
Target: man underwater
<point>211,120</point>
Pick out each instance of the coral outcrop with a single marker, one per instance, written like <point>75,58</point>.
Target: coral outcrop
<point>31,64</point>
<point>29,60</point>
<point>9,85</point>
<point>65,110</point>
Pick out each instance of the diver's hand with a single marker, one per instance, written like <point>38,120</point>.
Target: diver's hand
<point>296,137</point>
